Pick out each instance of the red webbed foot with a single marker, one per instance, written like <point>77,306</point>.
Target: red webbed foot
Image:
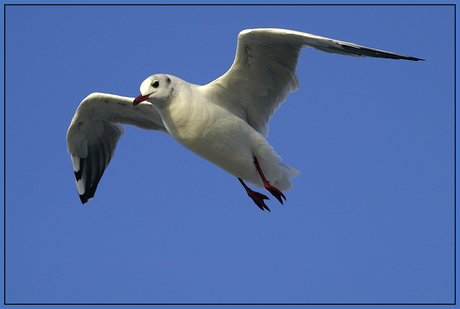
<point>257,197</point>
<point>274,191</point>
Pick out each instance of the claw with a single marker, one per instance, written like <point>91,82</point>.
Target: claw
<point>257,197</point>
<point>274,191</point>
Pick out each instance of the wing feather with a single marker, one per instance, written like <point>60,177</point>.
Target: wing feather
<point>94,133</point>
<point>264,71</point>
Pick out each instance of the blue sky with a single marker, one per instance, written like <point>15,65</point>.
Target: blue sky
<point>370,219</point>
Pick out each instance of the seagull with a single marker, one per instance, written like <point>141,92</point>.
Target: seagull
<point>224,122</point>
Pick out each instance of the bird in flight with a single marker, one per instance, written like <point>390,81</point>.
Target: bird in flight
<point>224,122</point>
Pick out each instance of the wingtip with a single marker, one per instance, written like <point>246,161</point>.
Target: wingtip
<point>412,58</point>
<point>84,199</point>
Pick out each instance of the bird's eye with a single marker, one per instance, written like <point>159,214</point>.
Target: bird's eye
<point>155,84</point>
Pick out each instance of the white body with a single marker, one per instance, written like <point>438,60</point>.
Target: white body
<point>225,122</point>
<point>221,137</point>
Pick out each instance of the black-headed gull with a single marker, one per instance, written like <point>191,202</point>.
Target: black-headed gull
<point>225,121</point>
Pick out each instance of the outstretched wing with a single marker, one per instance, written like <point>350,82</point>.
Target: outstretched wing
<point>94,133</point>
<point>264,71</point>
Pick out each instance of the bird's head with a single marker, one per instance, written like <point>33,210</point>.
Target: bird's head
<point>156,89</point>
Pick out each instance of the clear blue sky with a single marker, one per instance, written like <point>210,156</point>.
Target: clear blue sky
<point>369,219</point>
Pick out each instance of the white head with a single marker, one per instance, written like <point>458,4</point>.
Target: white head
<point>156,89</point>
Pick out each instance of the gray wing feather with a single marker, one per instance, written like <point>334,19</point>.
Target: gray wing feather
<point>94,133</point>
<point>264,71</point>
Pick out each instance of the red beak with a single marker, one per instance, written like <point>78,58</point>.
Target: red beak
<point>140,99</point>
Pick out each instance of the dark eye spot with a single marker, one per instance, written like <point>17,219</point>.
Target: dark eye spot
<point>155,84</point>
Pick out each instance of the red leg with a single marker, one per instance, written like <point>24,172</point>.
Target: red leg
<point>274,191</point>
<point>257,197</point>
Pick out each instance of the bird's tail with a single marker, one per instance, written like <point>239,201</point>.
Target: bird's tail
<point>285,182</point>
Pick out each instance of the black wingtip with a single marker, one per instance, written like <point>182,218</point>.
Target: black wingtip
<point>412,59</point>
<point>84,199</point>
<point>375,53</point>
<point>79,174</point>
<point>89,194</point>
<point>91,176</point>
